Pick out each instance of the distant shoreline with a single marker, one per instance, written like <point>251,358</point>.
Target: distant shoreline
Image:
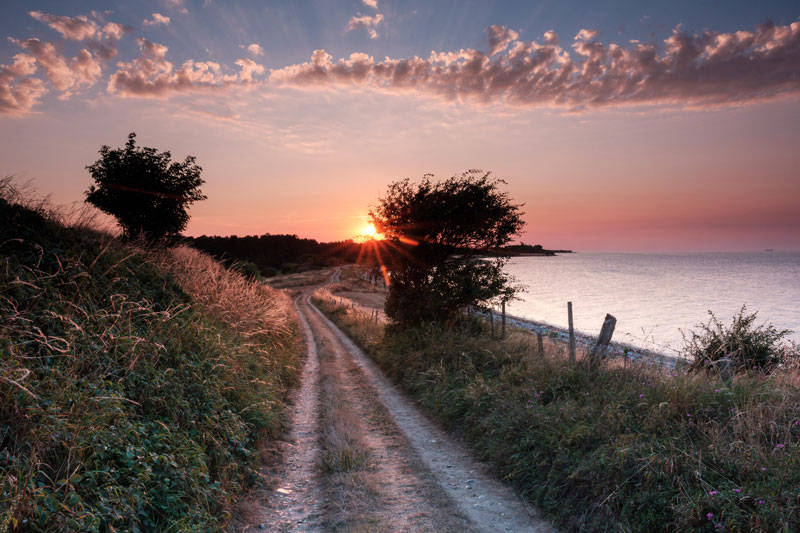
<point>615,349</point>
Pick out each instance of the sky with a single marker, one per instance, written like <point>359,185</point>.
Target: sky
<point>621,126</point>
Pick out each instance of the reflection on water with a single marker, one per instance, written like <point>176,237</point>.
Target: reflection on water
<point>654,296</point>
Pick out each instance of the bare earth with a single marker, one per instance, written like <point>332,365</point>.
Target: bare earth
<point>416,478</point>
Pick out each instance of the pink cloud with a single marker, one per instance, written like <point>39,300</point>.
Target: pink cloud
<point>367,22</point>
<point>179,5</point>
<point>370,3</point>
<point>76,28</point>
<point>152,75</point>
<point>65,74</point>
<point>156,20</point>
<point>688,70</point>
<point>499,38</point>
<point>255,49</point>
<point>100,38</point>
<point>19,92</point>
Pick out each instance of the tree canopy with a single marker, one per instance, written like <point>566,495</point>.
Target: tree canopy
<point>144,190</point>
<point>436,233</point>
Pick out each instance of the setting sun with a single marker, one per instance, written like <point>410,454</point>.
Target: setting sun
<point>369,232</point>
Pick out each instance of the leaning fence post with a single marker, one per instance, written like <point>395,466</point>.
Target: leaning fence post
<point>726,370</point>
<point>604,339</point>
<point>503,326</point>
<point>539,342</point>
<point>571,333</point>
<point>491,320</point>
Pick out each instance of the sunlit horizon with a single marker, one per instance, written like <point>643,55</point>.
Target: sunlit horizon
<point>626,128</point>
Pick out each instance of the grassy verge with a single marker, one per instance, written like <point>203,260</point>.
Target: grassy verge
<point>132,397</point>
<point>606,447</point>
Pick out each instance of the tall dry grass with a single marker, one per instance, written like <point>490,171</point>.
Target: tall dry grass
<point>126,405</point>
<point>244,304</point>
<point>605,446</point>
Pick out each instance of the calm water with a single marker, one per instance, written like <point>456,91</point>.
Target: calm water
<point>655,296</point>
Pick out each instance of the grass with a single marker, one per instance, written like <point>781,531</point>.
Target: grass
<point>135,386</point>
<point>604,447</point>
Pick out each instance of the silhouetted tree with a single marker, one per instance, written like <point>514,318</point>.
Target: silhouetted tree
<point>436,233</point>
<point>144,190</point>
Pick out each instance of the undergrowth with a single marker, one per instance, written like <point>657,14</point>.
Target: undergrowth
<point>605,447</point>
<point>128,401</point>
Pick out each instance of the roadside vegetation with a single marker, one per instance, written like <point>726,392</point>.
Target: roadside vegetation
<point>137,385</point>
<point>609,446</point>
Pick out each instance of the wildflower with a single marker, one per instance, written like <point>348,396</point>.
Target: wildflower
<point>712,493</point>
<point>760,502</point>
<point>763,468</point>
<point>710,516</point>
<point>641,396</point>
<point>737,491</point>
<point>716,390</point>
<point>779,446</point>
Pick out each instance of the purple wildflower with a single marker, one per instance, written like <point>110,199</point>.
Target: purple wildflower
<point>710,516</point>
<point>712,493</point>
<point>737,491</point>
<point>779,446</point>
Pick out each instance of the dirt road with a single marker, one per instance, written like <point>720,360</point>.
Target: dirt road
<point>361,457</point>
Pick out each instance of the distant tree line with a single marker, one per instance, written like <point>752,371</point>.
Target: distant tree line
<point>270,255</point>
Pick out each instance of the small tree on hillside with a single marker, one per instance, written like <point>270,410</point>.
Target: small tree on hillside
<point>144,190</point>
<point>436,233</point>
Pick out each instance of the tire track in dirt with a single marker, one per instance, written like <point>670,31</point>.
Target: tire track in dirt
<point>297,502</point>
<point>395,492</point>
<point>489,504</point>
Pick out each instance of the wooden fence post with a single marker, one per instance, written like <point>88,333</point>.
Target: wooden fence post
<point>539,342</point>
<point>503,326</point>
<point>491,321</point>
<point>604,339</point>
<point>726,370</point>
<point>571,333</point>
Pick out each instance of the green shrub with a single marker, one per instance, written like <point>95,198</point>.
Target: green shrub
<point>748,346</point>
<point>606,447</point>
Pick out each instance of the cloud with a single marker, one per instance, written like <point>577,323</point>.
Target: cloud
<point>100,38</point>
<point>19,92</point>
<point>254,49</point>
<point>157,19</point>
<point>366,22</point>
<point>76,28</point>
<point>686,70</point>
<point>179,5</point>
<point>370,3</point>
<point>65,74</point>
<point>151,75</point>
<point>499,38</point>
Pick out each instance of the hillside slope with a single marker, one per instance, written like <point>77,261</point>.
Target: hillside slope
<point>131,398</point>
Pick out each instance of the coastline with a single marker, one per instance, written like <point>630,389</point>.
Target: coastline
<point>615,349</point>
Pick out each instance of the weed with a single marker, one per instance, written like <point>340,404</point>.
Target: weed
<point>605,447</point>
<point>128,401</point>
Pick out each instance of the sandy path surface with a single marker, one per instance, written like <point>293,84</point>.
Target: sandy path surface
<point>489,504</point>
<point>296,503</point>
<point>418,479</point>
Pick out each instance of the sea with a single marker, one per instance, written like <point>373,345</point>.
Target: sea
<point>657,298</point>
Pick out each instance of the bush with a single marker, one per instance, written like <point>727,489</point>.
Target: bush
<point>749,347</point>
<point>436,235</point>
<point>144,190</point>
<point>606,447</point>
